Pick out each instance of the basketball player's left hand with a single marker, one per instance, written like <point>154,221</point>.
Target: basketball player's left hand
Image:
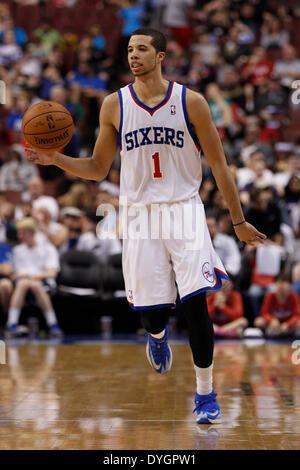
<point>248,234</point>
<point>40,158</point>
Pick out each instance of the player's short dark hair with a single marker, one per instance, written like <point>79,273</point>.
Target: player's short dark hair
<point>159,40</point>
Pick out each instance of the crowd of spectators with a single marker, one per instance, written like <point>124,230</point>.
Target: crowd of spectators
<point>243,57</point>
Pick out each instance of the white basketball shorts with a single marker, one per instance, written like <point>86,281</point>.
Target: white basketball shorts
<point>167,245</point>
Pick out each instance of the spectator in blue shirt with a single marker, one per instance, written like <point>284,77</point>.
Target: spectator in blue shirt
<point>98,41</point>
<point>87,78</point>
<point>14,119</point>
<point>10,51</point>
<point>51,77</point>
<point>20,34</point>
<point>132,14</point>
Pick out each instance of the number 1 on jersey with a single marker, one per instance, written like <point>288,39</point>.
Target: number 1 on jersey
<point>157,173</point>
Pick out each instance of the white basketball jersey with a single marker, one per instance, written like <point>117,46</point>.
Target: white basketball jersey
<point>160,153</point>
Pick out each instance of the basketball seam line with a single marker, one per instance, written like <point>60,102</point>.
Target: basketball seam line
<point>64,112</point>
<point>64,144</point>
<point>49,132</point>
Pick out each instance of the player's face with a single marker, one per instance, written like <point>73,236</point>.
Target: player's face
<point>142,56</point>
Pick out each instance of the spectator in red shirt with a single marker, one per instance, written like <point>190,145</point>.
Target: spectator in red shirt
<point>226,310</point>
<point>258,68</point>
<point>280,311</point>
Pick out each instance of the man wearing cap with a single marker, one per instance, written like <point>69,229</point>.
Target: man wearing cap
<point>35,266</point>
<point>72,222</point>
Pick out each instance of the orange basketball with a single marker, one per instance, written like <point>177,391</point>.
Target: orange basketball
<point>47,125</point>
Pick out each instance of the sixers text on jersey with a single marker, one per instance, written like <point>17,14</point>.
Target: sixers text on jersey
<point>154,135</point>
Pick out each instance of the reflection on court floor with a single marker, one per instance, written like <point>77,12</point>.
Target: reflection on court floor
<point>106,396</point>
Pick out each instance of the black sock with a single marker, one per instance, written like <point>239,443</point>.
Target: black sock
<point>201,332</point>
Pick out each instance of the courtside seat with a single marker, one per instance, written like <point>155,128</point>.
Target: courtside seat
<point>113,279</point>
<point>80,274</point>
<point>78,297</point>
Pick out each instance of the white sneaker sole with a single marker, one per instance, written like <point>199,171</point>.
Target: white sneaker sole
<point>207,420</point>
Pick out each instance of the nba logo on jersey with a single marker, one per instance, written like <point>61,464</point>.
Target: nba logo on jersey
<point>173,109</point>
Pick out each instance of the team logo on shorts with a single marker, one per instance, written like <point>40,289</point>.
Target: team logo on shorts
<point>173,109</point>
<point>130,295</point>
<point>208,272</point>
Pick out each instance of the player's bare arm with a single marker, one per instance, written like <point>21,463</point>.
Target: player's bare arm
<point>200,118</point>
<point>97,166</point>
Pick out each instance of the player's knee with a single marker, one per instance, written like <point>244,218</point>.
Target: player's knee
<point>155,320</point>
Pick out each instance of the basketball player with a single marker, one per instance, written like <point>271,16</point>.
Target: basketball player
<point>159,126</point>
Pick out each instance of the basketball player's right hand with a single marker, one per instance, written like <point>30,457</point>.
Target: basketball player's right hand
<point>248,234</point>
<point>40,158</point>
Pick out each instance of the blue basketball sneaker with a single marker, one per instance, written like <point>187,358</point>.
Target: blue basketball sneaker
<point>159,353</point>
<point>207,408</point>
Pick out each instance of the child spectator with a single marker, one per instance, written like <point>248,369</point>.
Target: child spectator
<point>280,311</point>
<point>35,267</point>
<point>226,310</point>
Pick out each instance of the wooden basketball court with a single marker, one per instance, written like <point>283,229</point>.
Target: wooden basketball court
<point>106,396</point>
